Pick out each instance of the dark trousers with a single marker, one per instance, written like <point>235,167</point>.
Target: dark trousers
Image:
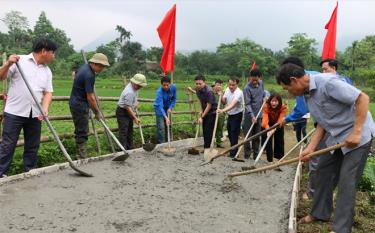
<point>300,129</point>
<point>234,129</point>
<point>125,128</point>
<point>208,128</point>
<point>348,169</point>
<point>255,142</point>
<point>278,145</point>
<point>81,124</point>
<point>12,126</point>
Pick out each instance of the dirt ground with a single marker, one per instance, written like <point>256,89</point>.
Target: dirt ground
<point>150,193</point>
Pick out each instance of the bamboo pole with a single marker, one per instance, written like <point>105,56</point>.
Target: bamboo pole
<point>44,139</point>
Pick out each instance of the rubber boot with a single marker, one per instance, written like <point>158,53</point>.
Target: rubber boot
<point>81,151</point>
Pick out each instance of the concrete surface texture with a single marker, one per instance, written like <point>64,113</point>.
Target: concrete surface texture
<point>149,193</point>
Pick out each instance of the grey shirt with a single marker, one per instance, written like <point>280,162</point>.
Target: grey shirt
<point>332,104</point>
<point>128,97</point>
<point>254,95</point>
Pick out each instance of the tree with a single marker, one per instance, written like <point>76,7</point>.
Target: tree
<point>44,28</point>
<point>300,45</point>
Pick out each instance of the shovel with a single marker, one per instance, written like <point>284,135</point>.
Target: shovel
<point>240,144</point>
<point>169,151</point>
<point>194,150</point>
<point>146,146</point>
<point>62,148</point>
<point>119,158</point>
<point>211,152</point>
<point>286,162</point>
<point>236,158</point>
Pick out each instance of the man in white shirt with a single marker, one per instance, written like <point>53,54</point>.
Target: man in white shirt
<point>233,106</point>
<point>21,112</point>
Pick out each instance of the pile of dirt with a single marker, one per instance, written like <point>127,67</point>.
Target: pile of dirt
<point>149,193</point>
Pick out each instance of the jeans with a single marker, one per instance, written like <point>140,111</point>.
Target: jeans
<point>300,129</point>
<point>12,128</point>
<point>161,129</point>
<point>125,128</point>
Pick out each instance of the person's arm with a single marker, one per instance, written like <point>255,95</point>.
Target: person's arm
<point>247,98</point>
<point>361,109</point>
<point>174,97</point>
<point>46,101</point>
<point>158,104</point>
<point>132,114</point>
<point>5,68</point>
<point>92,102</point>
<point>207,109</point>
<point>200,111</point>
<point>283,112</point>
<point>265,119</point>
<point>298,111</point>
<point>315,139</point>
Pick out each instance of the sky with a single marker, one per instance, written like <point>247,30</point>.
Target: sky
<point>201,24</point>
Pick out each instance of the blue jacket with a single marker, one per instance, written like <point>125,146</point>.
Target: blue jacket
<point>165,100</point>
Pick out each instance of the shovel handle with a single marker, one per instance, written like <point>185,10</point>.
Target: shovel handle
<point>140,128</point>
<point>251,128</point>
<point>273,166</point>
<point>168,133</point>
<point>215,127</point>
<point>245,141</point>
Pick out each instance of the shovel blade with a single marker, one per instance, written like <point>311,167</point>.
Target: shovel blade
<point>121,158</point>
<point>209,154</point>
<point>148,146</point>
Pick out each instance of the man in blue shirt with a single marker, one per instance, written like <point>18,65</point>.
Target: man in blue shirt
<point>82,98</point>
<point>342,116</point>
<point>330,66</point>
<point>165,101</point>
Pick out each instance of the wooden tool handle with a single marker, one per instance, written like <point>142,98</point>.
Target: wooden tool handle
<point>273,166</point>
<point>215,127</point>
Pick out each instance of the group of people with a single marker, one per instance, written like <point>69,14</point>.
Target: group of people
<point>339,111</point>
<point>253,108</point>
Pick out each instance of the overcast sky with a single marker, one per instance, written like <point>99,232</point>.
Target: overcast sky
<point>202,24</point>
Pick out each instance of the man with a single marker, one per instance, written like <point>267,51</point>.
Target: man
<point>125,112</point>
<point>330,66</point>
<point>341,113</point>
<point>165,101</point>
<point>20,110</point>
<point>254,96</point>
<point>217,89</point>
<point>207,109</point>
<point>82,98</point>
<point>233,106</point>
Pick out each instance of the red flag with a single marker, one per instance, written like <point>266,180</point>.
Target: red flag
<point>254,66</point>
<point>167,31</point>
<point>329,47</point>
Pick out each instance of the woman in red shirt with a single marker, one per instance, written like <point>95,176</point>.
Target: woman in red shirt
<point>274,112</point>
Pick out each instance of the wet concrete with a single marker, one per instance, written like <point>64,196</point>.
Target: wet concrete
<point>149,193</point>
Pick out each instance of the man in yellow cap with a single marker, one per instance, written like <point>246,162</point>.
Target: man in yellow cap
<point>82,98</point>
<point>125,112</point>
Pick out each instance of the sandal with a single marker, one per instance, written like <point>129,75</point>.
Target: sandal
<point>307,219</point>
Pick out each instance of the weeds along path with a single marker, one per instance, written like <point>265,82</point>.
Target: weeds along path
<point>149,193</point>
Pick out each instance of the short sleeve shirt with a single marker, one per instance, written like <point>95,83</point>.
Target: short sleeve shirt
<point>128,97</point>
<point>236,95</point>
<point>20,101</point>
<point>84,82</point>
<point>332,104</point>
<point>206,95</point>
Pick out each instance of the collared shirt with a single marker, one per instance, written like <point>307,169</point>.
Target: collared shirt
<point>236,95</point>
<point>20,101</point>
<point>128,97</point>
<point>84,82</point>
<point>332,104</point>
<point>254,95</point>
<point>206,95</point>
<point>165,100</point>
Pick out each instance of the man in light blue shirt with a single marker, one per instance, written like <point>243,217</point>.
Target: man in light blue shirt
<point>165,101</point>
<point>342,116</point>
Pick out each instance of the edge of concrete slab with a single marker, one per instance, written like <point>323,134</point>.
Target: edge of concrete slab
<point>184,143</point>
